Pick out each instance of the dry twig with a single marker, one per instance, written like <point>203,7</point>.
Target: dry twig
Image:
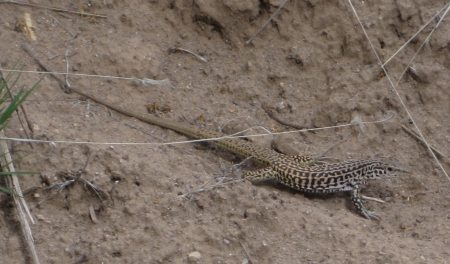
<point>368,198</point>
<point>435,150</point>
<point>201,58</point>
<point>53,9</point>
<point>19,201</point>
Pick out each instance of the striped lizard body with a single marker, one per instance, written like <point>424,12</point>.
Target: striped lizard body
<point>297,172</point>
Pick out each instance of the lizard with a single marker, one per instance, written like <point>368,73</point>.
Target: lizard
<point>298,172</point>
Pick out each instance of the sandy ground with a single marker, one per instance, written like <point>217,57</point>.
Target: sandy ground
<point>312,64</point>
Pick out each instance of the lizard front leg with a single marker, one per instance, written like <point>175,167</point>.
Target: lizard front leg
<point>359,206</point>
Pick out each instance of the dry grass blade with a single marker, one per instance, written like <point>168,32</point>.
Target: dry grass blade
<point>19,201</point>
<point>200,58</point>
<point>53,9</point>
<point>9,105</point>
<point>435,150</point>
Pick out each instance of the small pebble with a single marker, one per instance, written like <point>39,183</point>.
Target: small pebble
<point>194,256</point>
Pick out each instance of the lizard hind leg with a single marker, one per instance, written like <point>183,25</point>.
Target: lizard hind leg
<point>261,175</point>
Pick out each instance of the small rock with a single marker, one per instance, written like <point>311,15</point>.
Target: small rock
<point>194,256</point>
<point>251,213</point>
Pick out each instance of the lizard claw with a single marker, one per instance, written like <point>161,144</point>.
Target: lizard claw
<point>370,215</point>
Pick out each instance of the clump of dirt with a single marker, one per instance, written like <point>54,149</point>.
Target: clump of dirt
<point>312,64</point>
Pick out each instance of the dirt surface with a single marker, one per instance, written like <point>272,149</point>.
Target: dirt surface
<point>313,64</point>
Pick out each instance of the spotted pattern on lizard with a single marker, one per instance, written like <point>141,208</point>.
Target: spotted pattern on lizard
<point>298,172</point>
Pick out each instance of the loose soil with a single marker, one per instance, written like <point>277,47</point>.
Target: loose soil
<point>312,64</point>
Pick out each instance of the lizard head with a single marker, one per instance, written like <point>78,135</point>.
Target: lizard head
<point>380,169</point>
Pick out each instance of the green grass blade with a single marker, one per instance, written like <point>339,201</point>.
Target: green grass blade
<point>5,190</point>
<point>18,99</point>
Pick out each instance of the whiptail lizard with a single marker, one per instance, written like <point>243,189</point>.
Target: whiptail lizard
<point>293,171</point>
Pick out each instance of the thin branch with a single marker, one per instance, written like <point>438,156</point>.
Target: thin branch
<point>53,9</point>
<point>19,201</point>
<point>436,151</point>
<point>368,198</point>
<point>200,58</point>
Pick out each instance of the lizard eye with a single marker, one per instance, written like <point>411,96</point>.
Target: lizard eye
<point>390,169</point>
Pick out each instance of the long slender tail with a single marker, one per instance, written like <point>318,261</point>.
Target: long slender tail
<point>234,145</point>
<point>189,131</point>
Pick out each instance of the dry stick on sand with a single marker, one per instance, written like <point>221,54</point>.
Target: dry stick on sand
<point>436,151</point>
<point>53,9</point>
<point>200,58</point>
<point>19,201</point>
